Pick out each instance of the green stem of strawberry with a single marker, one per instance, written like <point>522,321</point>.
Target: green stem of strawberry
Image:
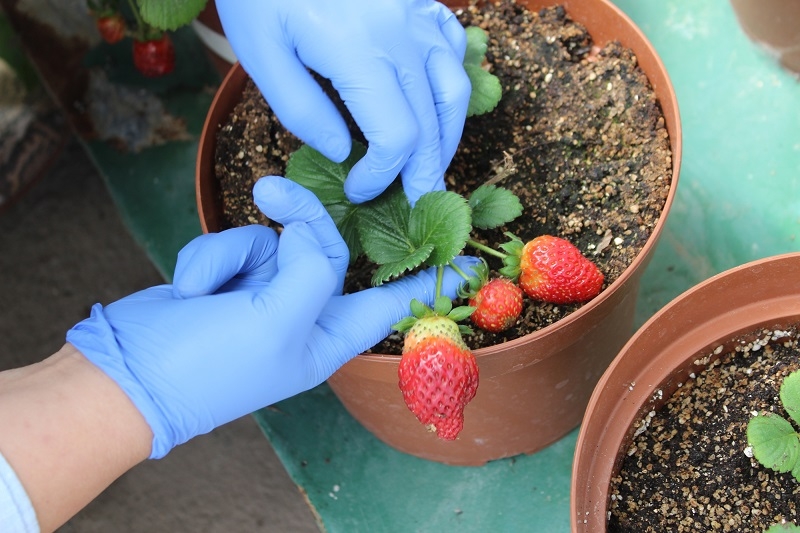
<point>439,278</point>
<point>459,271</point>
<point>145,32</point>
<point>484,248</point>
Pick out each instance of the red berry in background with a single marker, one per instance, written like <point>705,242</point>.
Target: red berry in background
<point>155,57</point>
<point>552,269</point>
<point>111,28</point>
<point>497,304</point>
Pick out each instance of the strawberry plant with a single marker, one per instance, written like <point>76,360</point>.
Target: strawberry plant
<point>774,441</point>
<point>437,373</point>
<point>148,23</point>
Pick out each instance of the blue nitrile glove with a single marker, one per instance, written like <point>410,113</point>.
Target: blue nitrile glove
<point>251,319</point>
<point>397,64</point>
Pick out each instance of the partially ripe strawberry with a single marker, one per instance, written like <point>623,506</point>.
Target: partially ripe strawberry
<point>154,57</point>
<point>554,270</point>
<point>498,304</point>
<point>435,326</point>
<point>438,373</point>
<point>111,28</point>
<point>438,378</point>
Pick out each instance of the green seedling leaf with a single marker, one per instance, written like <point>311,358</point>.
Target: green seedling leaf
<point>775,442</point>
<point>788,527</point>
<point>169,15</point>
<point>790,395</point>
<point>493,206</point>
<point>486,87</point>
<point>325,179</point>
<point>442,219</point>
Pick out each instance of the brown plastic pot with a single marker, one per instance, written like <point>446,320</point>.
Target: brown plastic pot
<point>775,26</point>
<point>662,354</point>
<point>534,389</point>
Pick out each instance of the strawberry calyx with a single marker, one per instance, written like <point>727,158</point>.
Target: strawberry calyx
<point>513,254</point>
<point>443,314</point>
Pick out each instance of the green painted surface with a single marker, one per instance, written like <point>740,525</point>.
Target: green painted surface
<point>738,200</point>
<point>358,484</point>
<point>739,190</point>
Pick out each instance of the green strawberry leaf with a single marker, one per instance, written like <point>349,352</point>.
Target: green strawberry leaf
<point>409,261</point>
<point>486,87</point>
<point>493,206</point>
<point>169,15</point>
<point>790,395</point>
<point>477,40</point>
<point>383,227</point>
<point>320,175</point>
<point>325,179</point>
<point>442,219</point>
<point>775,443</point>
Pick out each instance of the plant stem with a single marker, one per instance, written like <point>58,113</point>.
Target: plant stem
<point>135,9</point>
<point>459,271</point>
<point>484,248</point>
<point>439,277</point>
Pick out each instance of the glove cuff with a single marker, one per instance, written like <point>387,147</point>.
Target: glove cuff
<point>94,338</point>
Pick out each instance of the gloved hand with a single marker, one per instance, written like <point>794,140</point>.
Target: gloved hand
<point>397,64</point>
<point>251,319</point>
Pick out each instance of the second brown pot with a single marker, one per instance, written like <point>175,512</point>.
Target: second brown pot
<point>675,343</point>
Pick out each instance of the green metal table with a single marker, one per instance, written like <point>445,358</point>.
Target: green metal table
<point>738,200</point>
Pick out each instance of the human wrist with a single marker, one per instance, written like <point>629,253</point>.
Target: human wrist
<point>68,432</point>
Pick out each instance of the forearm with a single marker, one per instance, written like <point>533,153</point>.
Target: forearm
<point>68,431</point>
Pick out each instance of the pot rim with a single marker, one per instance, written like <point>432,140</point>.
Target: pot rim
<point>668,103</point>
<point>756,314</point>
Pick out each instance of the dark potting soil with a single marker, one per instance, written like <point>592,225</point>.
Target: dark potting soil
<point>578,135</point>
<point>690,469</point>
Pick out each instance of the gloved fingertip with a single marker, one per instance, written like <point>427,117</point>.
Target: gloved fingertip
<point>334,147</point>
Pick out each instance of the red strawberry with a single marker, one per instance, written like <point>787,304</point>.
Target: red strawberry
<point>497,304</point>
<point>111,28</point>
<point>438,374</point>
<point>554,270</point>
<point>154,57</point>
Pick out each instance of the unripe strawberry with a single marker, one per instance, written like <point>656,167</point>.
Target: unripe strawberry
<point>438,377</point>
<point>498,304</point>
<point>554,270</point>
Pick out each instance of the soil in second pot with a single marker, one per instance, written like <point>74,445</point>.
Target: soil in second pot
<point>690,469</point>
<point>578,135</point>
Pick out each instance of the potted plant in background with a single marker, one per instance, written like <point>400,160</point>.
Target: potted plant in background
<point>703,369</point>
<point>148,23</point>
<point>533,388</point>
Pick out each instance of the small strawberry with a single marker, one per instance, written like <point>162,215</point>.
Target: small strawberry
<point>154,57</point>
<point>552,269</point>
<point>111,27</point>
<point>497,302</point>
<point>438,374</point>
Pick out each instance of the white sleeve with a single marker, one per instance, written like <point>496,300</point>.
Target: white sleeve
<point>16,511</point>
